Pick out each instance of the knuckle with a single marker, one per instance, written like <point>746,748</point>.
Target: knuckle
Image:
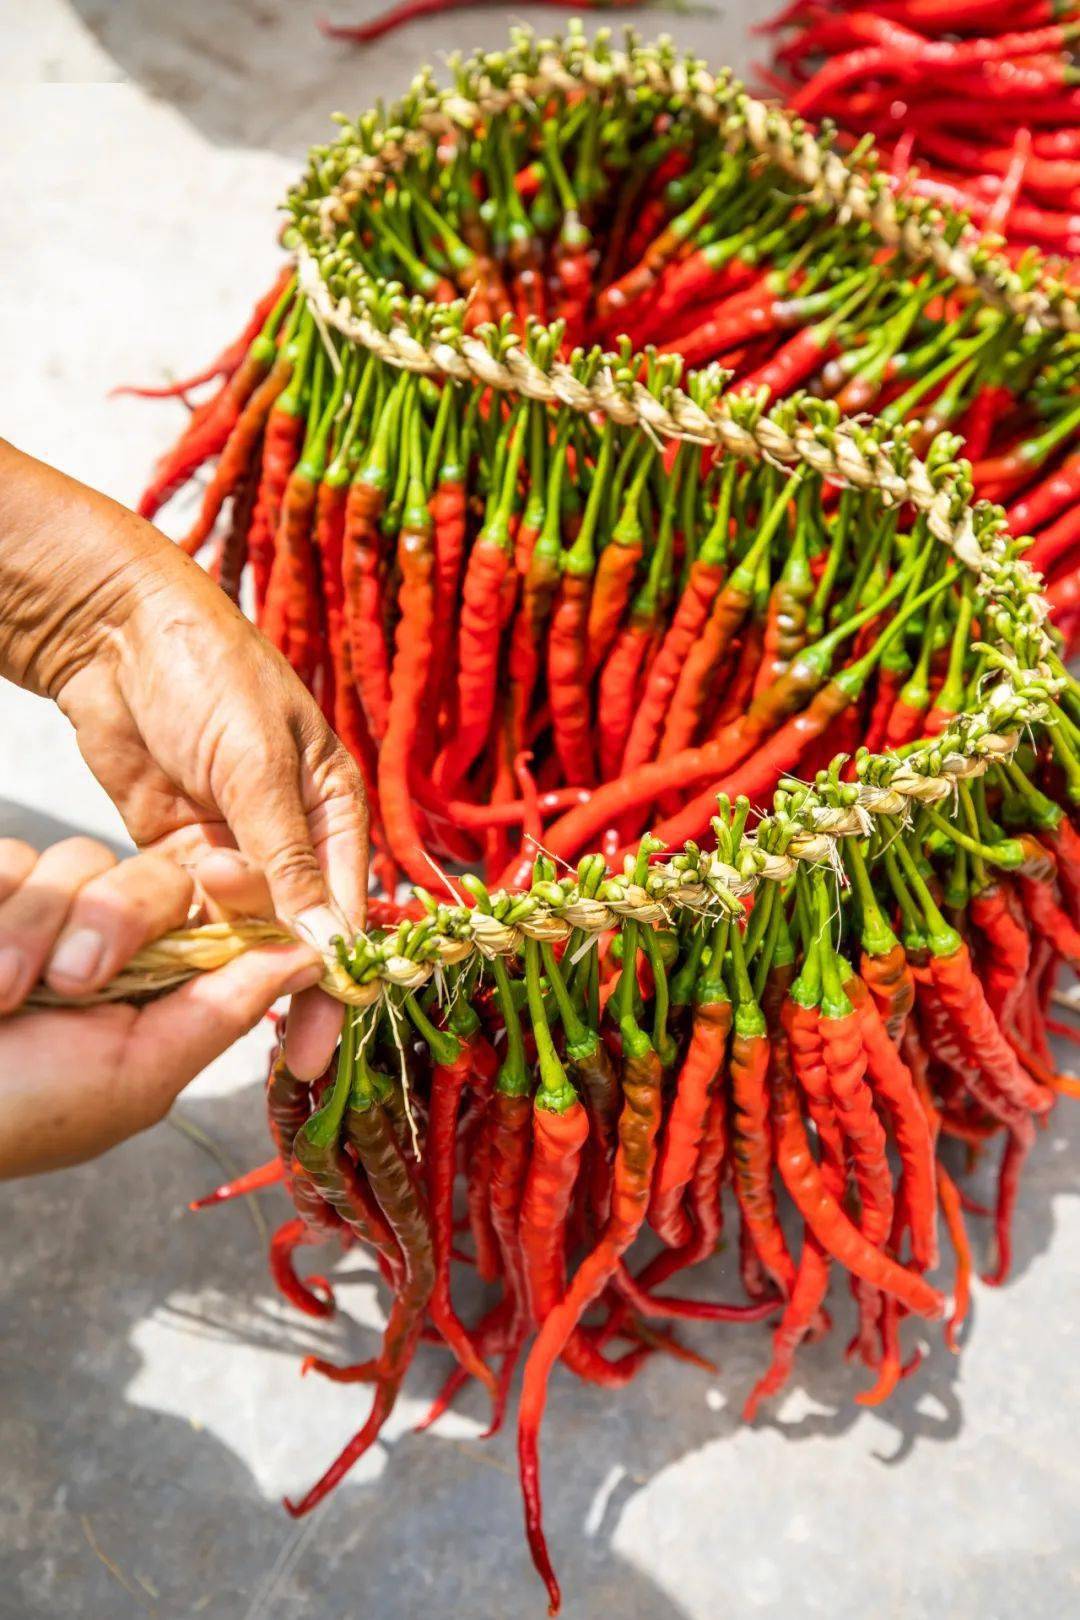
<point>83,851</point>
<point>17,861</point>
<point>294,868</point>
<point>15,853</point>
<point>162,878</point>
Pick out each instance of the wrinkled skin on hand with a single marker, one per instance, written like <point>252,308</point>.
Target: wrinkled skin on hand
<point>195,726</point>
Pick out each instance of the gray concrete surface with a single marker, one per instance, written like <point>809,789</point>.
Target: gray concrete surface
<point>150,1410</point>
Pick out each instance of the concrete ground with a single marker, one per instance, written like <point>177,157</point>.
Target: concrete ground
<point>151,1415</point>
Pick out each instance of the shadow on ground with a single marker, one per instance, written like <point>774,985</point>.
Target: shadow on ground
<point>40,830</point>
<point>259,73</point>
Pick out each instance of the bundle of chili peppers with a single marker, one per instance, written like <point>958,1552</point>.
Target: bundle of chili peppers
<point>974,105</point>
<point>637,219</point>
<point>607,1099</point>
<point>552,589</point>
<point>973,102</point>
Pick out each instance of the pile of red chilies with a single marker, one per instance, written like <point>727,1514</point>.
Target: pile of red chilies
<point>538,629</point>
<point>605,1111</point>
<point>975,103</point>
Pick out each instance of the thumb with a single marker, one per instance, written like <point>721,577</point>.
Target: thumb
<point>175,1038</point>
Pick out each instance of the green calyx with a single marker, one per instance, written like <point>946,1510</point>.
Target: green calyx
<point>556,1092</point>
<point>834,1001</point>
<point>445,1048</point>
<point>513,1079</point>
<point>324,1127</point>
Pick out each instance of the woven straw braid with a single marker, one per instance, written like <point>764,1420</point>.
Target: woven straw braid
<point>923,229</point>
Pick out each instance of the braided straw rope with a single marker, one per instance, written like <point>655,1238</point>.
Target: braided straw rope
<point>697,881</point>
<point>923,229</point>
<point>406,958</point>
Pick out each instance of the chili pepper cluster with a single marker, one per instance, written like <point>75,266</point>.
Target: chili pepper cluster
<point>974,102</point>
<point>974,105</point>
<point>605,1098</point>
<point>534,464</point>
<point>569,628</point>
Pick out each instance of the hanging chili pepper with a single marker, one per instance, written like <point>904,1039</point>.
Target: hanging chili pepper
<point>370,1132</point>
<point>567,668</point>
<point>452,1059</point>
<point>616,567</point>
<point>362,568</point>
<point>409,675</point>
<point>701,1068</point>
<point>481,623</point>
<point>634,1161</point>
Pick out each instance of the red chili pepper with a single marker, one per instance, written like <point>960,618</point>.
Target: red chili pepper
<point>207,435</point>
<point>330,518</point>
<point>453,1062</point>
<point>695,605</point>
<point>448,512</point>
<point>294,618</point>
<point>480,624</point>
<point>245,404</point>
<point>620,679</point>
<point>230,358</point>
<point>615,570</point>
<point>710,273</point>
<point>313,1295</point>
<point>322,1158</point>
<point>1057,492</point>
<point>729,609</point>
<point>1057,543</point>
<point>362,567</point>
<point>557,1141</point>
<point>634,1162</point>
<point>264,1175</point>
<point>371,1134</point>
<point>1015,1152</point>
<point>701,1068</point>
<point>409,675</point>
<point>845,1058</point>
<point>567,668</point>
<point>286,427</point>
<point>613,301</point>
<point>751,1139</point>
<point>894,1085</point>
<point>288,1106</point>
<point>826,1219</point>
<point>1048,916</point>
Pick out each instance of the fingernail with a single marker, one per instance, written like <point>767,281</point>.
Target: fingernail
<point>320,926</point>
<point>77,957</point>
<point>233,857</point>
<point>12,969</point>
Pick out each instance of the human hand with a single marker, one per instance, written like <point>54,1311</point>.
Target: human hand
<point>195,726</point>
<point>74,1082</point>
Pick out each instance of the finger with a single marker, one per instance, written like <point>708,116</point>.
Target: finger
<point>333,791</point>
<point>191,844</point>
<point>17,861</point>
<point>176,1037</point>
<point>231,887</point>
<point>268,818</point>
<point>234,888</point>
<point>311,1033</point>
<point>112,917</point>
<point>32,917</point>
